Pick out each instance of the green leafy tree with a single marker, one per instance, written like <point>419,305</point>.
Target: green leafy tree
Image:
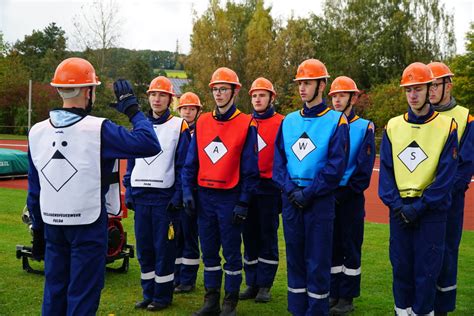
<point>42,51</point>
<point>463,69</point>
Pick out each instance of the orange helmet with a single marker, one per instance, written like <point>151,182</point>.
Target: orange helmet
<point>440,70</point>
<point>189,99</point>
<point>161,84</point>
<point>224,75</point>
<point>262,84</point>
<point>416,73</point>
<point>75,73</point>
<point>343,84</point>
<point>311,69</point>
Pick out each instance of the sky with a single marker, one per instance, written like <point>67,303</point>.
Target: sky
<point>158,24</point>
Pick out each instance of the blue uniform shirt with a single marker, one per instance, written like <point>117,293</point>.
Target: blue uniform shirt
<point>249,173</point>
<point>117,143</point>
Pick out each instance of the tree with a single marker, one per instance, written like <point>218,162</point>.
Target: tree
<point>218,40</point>
<point>97,28</point>
<point>4,47</point>
<point>463,69</point>
<point>42,51</point>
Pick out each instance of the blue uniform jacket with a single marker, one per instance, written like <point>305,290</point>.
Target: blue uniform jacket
<point>149,196</point>
<point>360,178</point>
<point>436,196</point>
<point>327,180</point>
<point>249,174</point>
<point>117,143</point>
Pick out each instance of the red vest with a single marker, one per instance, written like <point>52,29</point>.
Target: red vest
<point>220,145</point>
<point>267,131</point>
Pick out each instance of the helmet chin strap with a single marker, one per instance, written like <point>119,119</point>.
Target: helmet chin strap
<point>316,92</point>
<point>89,102</point>
<point>348,102</point>
<point>230,99</point>
<point>442,93</point>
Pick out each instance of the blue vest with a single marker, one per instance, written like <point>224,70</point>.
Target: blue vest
<point>357,130</point>
<point>306,141</point>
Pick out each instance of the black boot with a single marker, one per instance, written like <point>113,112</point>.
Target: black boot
<point>332,302</point>
<point>211,303</point>
<point>155,306</point>
<point>229,304</point>
<point>343,307</point>
<point>249,293</point>
<point>184,288</point>
<point>263,295</point>
<point>143,304</point>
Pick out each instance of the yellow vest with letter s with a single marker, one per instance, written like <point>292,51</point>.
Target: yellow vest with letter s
<point>461,115</point>
<point>416,149</point>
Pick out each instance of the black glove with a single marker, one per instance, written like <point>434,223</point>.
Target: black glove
<point>174,207</point>
<point>38,244</point>
<point>189,205</point>
<point>298,199</point>
<point>127,102</point>
<point>129,200</point>
<point>407,216</point>
<point>240,213</point>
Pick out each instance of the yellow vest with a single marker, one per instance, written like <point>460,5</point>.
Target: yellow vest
<point>416,149</point>
<point>461,115</point>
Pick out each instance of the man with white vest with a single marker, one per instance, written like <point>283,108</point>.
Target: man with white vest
<point>418,162</point>
<point>71,157</point>
<point>153,190</point>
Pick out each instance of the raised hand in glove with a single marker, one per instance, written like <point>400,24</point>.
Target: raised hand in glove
<point>38,244</point>
<point>298,199</point>
<point>127,102</point>
<point>189,205</point>
<point>240,213</point>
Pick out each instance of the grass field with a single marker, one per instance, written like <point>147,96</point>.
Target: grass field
<point>10,136</point>
<point>181,74</point>
<point>21,293</point>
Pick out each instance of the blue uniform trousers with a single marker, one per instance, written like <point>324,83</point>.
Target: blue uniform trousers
<point>416,254</point>
<point>446,286</point>
<point>156,252</point>
<point>308,237</point>
<point>74,267</point>
<point>187,257</point>
<point>260,236</point>
<point>215,213</point>
<point>347,245</point>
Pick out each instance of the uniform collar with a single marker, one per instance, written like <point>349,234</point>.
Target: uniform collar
<point>315,110</point>
<point>161,119</point>
<point>412,118</point>
<point>224,116</point>
<point>267,114</point>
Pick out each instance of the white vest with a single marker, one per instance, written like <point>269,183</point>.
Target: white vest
<point>112,198</point>
<point>158,171</point>
<point>68,162</point>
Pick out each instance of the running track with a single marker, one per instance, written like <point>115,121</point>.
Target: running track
<point>376,211</point>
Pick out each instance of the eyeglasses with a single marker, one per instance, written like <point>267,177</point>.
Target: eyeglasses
<point>221,90</point>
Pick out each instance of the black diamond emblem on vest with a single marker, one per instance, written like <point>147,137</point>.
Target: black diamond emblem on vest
<point>412,156</point>
<point>303,146</point>
<point>150,160</point>
<point>215,150</point>
<point>57,179</point>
